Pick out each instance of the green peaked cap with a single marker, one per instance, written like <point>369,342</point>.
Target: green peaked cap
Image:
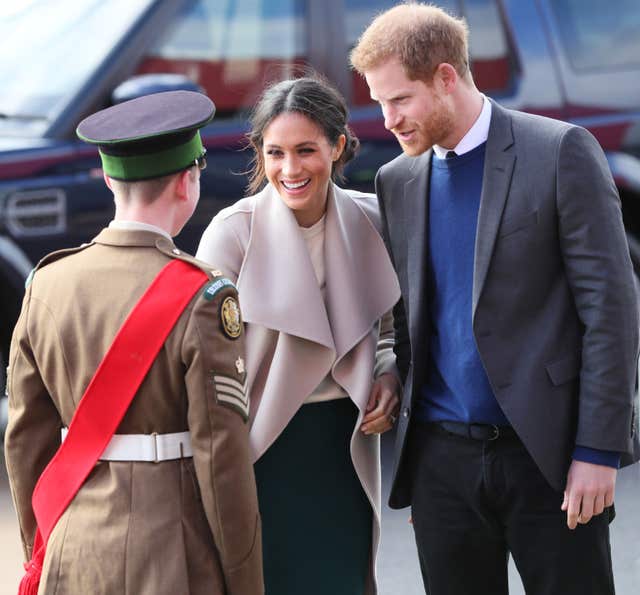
<point>150,136</point>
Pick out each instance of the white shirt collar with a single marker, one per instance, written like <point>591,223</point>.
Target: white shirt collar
<point>138,226</point>
<point>475,136</point>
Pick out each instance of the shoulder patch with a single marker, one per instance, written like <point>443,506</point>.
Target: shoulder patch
<point>168,248</point>
<point>230,317</point>
<point>212,288</point>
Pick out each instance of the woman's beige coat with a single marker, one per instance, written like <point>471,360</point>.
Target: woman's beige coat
<point>293,339</point>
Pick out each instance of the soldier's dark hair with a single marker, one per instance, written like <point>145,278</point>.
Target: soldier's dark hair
<point>313,97</point>
<point>145,191</point>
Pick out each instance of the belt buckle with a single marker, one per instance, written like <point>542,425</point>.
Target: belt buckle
<point>155,447</point>
<point>496,433</point>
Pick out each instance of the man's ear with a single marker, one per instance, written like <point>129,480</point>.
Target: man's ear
<point>182,184</point>
<point>107,181</point>
<point>446,76</point>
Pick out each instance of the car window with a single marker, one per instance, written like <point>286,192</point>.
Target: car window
<point>232,47</point>
<point>598,36</point>
<point>41,68</point>
<point>358,15</point>
<point>492,61</point>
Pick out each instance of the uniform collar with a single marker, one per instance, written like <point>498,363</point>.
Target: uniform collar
<point>115,236</point>
<point>138,225</point>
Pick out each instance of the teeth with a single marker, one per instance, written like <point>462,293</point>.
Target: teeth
<point>294,185</point>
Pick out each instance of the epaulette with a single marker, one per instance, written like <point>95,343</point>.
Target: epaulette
<point>52,257</point>
<point>229,312</point>
<point>216,276</point>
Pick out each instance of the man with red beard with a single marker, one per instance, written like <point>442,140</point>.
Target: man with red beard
<point>517,332</point>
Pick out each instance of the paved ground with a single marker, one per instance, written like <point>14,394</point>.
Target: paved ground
<point>398,567</point>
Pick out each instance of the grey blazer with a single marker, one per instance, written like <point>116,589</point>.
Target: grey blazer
<point>555,312</point>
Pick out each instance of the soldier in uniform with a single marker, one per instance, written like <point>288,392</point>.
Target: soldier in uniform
<point>171,506</point>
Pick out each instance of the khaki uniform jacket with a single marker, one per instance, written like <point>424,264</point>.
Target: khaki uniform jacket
<point>184,526</point>
<point>294,337</point>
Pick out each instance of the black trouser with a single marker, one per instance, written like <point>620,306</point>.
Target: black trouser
<point>476,501</point>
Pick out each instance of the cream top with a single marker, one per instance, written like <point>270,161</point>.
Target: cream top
<point>313,236</point>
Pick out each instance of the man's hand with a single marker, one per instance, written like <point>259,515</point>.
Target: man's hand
<point>590,489</point>
<point>383,405</point>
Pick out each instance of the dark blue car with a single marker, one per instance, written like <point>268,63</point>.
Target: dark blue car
<point>576,60</point>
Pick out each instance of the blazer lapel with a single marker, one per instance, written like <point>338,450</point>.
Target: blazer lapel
<point>277,284</point>
<point>361,282</point>
<point>498,169</point>
<point>416,205</point>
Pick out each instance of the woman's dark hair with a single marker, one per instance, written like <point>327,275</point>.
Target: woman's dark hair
<point>312,97</point>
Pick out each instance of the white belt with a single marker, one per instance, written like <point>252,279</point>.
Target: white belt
<point>151,448</point>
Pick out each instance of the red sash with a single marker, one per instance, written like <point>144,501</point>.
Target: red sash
<point>106,400</point>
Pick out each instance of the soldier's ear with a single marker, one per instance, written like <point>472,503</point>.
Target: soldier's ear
<point>107,181</point>
<point>182,185</point>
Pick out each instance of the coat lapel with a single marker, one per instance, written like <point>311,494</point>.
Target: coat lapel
<point>361,282</point>
<point>498,169</point>
<point>277,285</point>
<point>279,292</point>
<point>416,204</point>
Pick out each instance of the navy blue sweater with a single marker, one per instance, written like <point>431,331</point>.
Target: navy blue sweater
<point>456,388</point>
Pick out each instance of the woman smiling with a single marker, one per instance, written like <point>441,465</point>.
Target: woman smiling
<point>315,285</point>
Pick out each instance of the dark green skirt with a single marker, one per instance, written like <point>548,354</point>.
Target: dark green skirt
<point>316,518</point>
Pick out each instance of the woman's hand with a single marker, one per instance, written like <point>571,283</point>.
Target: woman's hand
<point>383,405</point>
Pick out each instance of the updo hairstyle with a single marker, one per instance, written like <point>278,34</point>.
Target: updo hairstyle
<point>312,97</point>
